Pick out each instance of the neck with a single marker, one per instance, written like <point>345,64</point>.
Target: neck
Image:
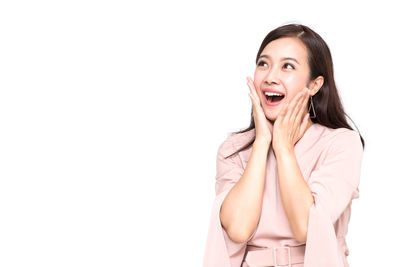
<point>309,123</point>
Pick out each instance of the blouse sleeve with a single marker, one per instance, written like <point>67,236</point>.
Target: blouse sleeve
<point>333,185</point>
<point>220,250</point>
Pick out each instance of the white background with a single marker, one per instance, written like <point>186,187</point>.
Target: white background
<point>111,113</point>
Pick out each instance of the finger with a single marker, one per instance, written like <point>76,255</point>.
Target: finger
<point>301,117</point>
<point>253,101</point>
<point>292,105</point>
<point>299,111</point>
<point>251,98</point>
<point>297,106</point>
<point>306,98</point>
<point>304,124</point>
<point>283,111</point>
<point>250,84</point>
<point>254,95</point>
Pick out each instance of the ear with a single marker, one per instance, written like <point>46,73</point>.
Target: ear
<point>315,85</point>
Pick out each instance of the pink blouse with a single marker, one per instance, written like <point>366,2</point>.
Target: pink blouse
<point>330,161</point>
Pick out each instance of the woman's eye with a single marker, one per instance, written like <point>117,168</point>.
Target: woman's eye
<point>261,62</point>
<point>287,64</point>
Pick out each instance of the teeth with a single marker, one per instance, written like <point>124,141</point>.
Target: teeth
<point>272,94</point>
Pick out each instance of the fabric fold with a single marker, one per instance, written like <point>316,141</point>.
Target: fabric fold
<point>221,251</point>
<point>321,245</point>
<point>333,185</point>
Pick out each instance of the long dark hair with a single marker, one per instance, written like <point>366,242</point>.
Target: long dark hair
<point>327,103</point>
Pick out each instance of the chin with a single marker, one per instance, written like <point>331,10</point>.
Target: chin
<point>272,114</point>
<point>271,119</point>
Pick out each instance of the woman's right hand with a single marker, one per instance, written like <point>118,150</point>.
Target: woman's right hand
<point>263,126</point>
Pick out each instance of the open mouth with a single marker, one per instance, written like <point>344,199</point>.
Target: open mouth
<point>273,99</point>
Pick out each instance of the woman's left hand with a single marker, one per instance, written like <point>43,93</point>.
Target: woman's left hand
<point>291,122</point>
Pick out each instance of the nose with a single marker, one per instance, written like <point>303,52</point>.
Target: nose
<point>272,76</point>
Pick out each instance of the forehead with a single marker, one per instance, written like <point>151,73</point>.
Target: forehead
<point>286,47</point>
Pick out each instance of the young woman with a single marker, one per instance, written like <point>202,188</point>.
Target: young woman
<point>285,184</point>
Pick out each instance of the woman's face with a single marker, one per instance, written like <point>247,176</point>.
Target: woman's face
<point>281,67</point>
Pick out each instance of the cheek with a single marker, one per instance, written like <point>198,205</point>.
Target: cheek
<point>292,82</point>
<point>290,98</point>
<point>257,79</point>
<point>293,86</point>
<point>292,94</point>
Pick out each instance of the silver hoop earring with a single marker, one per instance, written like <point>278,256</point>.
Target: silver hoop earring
<point>312,105</point>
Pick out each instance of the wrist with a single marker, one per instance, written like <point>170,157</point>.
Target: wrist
<point>284,151</point>
<point>262,141</point>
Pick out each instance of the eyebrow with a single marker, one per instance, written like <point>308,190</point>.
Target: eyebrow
<point>283,58</point>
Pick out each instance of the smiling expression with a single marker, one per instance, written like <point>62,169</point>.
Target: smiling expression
<point>282,67</point>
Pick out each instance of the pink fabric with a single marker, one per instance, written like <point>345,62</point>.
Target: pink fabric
<point>330,161</point>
